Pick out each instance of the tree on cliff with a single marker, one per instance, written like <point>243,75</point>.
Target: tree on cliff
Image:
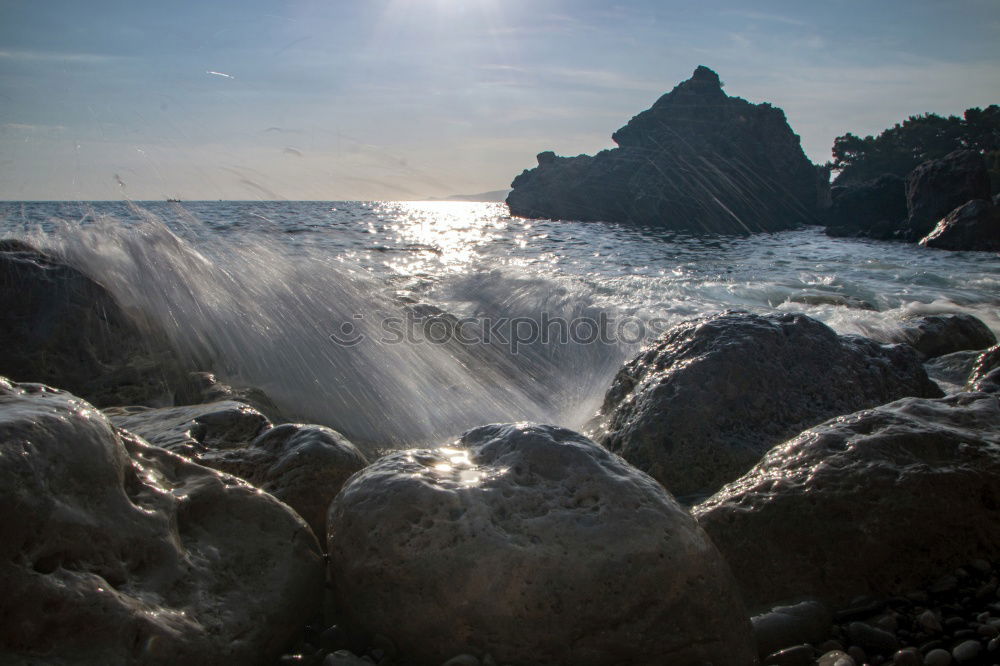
<point>899,149</point>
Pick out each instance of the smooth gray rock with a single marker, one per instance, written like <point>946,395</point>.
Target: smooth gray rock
<point>784,626</point>
<point>535,545</point>
<point>937,657</point>
<point>114,551</point>
<point>940,334</point>
<point>872,639</point>
<point>302,465</point>
<point>699,407</point>
<point>966,651</point>
<point>877,502</point>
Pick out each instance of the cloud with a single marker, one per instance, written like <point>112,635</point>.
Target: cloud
<point>28,127</point>
<point>56,56</point>
<point>763,16</point>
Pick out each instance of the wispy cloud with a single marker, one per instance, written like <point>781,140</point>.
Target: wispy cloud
<point>763,16</point>
<point>56,56</point>
<point>28,127</point>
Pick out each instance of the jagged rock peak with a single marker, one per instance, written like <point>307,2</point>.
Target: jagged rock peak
<point>703,85</point>
<point>702,73</point>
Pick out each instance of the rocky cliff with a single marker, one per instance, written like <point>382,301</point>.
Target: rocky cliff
<point>698,161</point>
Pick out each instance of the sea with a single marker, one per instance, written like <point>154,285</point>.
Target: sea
<point>405,323</point>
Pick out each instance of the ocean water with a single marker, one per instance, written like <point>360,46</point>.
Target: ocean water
<point>405,323</point>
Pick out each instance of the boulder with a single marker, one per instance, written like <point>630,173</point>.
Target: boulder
<point>985,375</point>
<point>973,226</point>
<point>937,187</point>
<point>873,503</point>
<point>118,552</point>
<point>199,388</point>
<point>697,161</point>
<point>951,372</point>
<point>193,431</point>
<point>701,405</point>
<point>937,335</point>
<point>874,209</point>
<point>534,545</point>
<point>302,465</point>
<point>63,328</point>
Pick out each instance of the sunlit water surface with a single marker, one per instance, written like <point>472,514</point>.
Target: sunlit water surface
<point>345,312</point>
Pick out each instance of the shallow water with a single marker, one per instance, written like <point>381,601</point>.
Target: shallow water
<point>334,308</point>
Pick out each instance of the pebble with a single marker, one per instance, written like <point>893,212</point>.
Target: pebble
<point>929,622</point>
<point>872,639</point>
<point>798,655</point>
<point>967,651</point>
<point>836,658</point>
<point>344,658</point>
<point>462,660</point>
<point>908,657</point>
<point>937,657</point>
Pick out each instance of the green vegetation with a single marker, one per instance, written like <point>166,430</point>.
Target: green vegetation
<point>899,149</point>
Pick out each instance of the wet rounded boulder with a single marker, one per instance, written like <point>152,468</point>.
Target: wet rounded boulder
<point>115,551</point>
<point>302,465</point>
<point>700,406</point>
<point>534,545</point>
<point>874,503</point>
<point>939,334</point>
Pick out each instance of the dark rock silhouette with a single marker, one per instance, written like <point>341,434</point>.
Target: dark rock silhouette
<point>63,328</point>
<point>972,226</point>
<point>937,187</point>
<point>697,161</point>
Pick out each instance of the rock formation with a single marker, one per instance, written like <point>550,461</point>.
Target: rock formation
<point>874,503</point>
<point>118,552</point>
<point>937,187</point>
<point>697,161</point>
<point>536,546</point>
<point>699,407</point>
<point>874,209</point>
<point>304,466</point>
<point>940,334</point>
<point>974,226</point>
<point>63,328</point>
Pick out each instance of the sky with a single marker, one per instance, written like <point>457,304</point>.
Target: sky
<point>409,99</point>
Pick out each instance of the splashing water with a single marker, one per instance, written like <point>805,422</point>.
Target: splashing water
<point>256,290</point>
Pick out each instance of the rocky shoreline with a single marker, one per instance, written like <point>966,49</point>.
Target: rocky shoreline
<point>188,523</point>
<point>700,161</point>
